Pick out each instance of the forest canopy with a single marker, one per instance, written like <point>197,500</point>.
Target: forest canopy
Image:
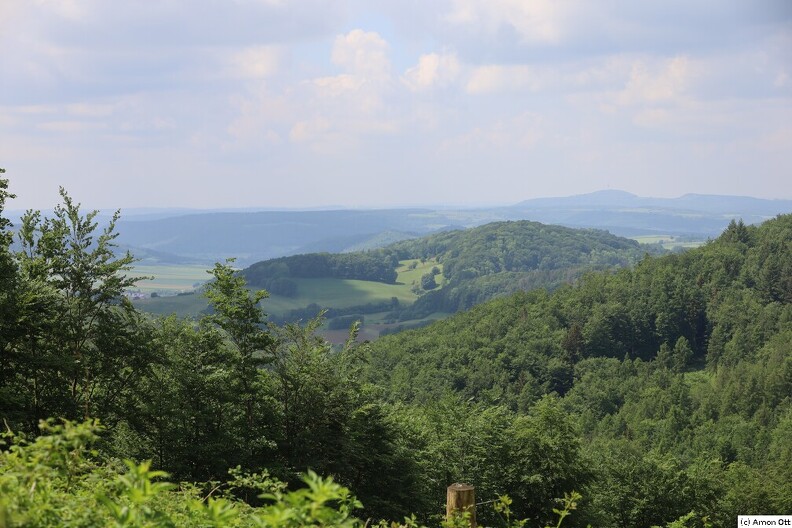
<point>659,392</point>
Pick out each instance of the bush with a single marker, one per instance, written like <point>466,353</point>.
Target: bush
<point>428,281</point>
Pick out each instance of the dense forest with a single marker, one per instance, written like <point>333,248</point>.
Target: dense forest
<point>678,373</point>
<point>378,266</point>
<point>504,257</point>
<point>661,393</point>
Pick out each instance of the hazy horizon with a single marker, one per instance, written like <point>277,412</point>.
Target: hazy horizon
<point>144,211</point>
<point>270,104</point>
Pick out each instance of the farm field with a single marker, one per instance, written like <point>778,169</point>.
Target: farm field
<point>335,293</point>
<point>181,305</point>
<point>668,241</point>
<point>169,278</point>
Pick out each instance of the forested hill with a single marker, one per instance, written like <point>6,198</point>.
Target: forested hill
<point>723,301</point>
<point>679,371</point>
<point>661,393</point>
<point>477,263</point>
<point>517,246</point>
<point>504,257</point>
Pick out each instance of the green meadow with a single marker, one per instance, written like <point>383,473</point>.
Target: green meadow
<point>181,305</point>
<point>409,275</point>
<point>169,278</point>
<point>338,293</point>
<point>333,293</point>
<point>668,241</point>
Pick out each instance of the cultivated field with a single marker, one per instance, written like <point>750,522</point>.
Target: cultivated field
<point>170,278</point>
<point>331,293</point>
<point>181,305</point>
<point>668,241</point>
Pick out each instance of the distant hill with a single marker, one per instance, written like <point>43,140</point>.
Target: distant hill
<point>451,271</point>
<point>252,236</point>
<point>412,281</point>
<point>724,300</point>
<point>626,214</point>
<point>504,257</point>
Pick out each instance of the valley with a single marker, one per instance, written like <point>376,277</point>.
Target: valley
<point>484,262</point>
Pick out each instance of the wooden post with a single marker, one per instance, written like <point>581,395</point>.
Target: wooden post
<point>461,498</point>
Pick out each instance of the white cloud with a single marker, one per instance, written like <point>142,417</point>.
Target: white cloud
<point>256,62</point>
<point>287,82</point>
<point>432,70</point>
<point>309,130</point>
<point>91,109</point>
<point>338,85</point>
<point>69,9</point>
<point>71,127</point>
<point>362,53</point>
<point>521,132</point>
<point>499,78</point>
<point>662,82</point>
<point>535,21</point>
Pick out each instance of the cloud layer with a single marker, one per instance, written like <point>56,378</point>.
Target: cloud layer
<point>269,103</point>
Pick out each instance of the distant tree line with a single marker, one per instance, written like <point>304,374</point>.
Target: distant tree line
<point>377,265</point>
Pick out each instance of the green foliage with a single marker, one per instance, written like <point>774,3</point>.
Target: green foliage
<point>321,503</point>
<point>377,265</point>
<point>10,293</point>
<point>76,347</point>
<point>57,481</point>
<point>137,489</point>
<point>678,372</point>
<point>661,392</point>
<point>236,311</point>
<point>428,282</point>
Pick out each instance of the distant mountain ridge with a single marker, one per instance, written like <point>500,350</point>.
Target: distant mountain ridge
<point>254,236</point>
<point>711,203</point>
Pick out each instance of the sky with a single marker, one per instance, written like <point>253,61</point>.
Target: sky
<point>309,103</point>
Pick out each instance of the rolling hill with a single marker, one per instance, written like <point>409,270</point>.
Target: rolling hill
<point>409,282</point>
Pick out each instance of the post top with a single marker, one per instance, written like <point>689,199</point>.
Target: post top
<point>459,486</point>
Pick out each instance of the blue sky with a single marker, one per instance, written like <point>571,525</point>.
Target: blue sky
<point>314,103</point>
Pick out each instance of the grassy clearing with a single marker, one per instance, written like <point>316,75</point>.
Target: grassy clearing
<point>335,293</point>
<point>338,293</point>
<point>410,276</point>
<point>668,241</point>
<point>342,293</point>
<point>170,278</point>
<point>181,305</point>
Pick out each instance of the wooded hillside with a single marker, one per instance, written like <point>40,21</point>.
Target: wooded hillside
<point>659,392</point>
<point>678,371</point>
